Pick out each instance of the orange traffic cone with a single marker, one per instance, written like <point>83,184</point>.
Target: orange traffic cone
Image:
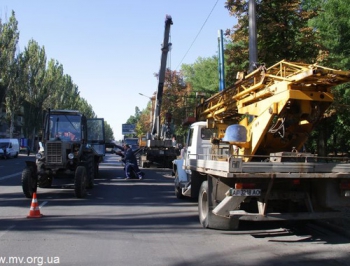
<point>34,211</point>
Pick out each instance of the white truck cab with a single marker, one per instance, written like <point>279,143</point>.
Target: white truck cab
<point>198,146</point>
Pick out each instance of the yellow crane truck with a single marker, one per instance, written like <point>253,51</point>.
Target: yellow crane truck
<point>244,156</point>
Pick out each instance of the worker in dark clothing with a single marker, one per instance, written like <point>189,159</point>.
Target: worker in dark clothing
<point>130,161</point>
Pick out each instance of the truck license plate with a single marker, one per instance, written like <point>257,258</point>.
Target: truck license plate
<point>246,192</point>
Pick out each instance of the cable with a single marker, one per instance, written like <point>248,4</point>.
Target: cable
<point>197,34</point>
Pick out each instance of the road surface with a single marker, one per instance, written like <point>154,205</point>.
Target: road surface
<point>123,222</point>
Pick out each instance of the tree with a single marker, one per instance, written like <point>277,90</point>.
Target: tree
<point>35,90</point>
<point>144,123</point>
<point>202,75</point>
<point>179,101</point>
<point>85,108</point>
<point>108,132</point>
<point>26,81</point>
<point>333,26</point>
<point>53,83</point>
<point>9,36</point>
<point>15,94</point>
<point>282,29</point>
<point>134,120</point>
<point>175,101</point>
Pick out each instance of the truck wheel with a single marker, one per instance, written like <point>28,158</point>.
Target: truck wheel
<point>207,218</point>
<point>80,182</point>
<point>29,184</point>
<point>178,190</point>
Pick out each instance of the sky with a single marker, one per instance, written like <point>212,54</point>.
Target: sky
<point>111,48</point>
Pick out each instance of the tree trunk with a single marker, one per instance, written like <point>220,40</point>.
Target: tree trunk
<point>33,148</point>
<point>12,125</point>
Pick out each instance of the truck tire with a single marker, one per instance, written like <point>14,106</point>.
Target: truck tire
<point>196,181</point>
<point>29,184</point>
<point>206,217</point>
<point>80,182</point>
<point>178,190</point>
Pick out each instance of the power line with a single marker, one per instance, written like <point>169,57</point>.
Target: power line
<point>197,34</point>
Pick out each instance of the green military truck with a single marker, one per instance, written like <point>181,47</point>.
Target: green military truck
<point>72,146</point>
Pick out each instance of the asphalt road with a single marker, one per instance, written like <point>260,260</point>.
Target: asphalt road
<point>135,222</point>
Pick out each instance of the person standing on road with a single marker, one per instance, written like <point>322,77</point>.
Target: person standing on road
<point>130,161</point>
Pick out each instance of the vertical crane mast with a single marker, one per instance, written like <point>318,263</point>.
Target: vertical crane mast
<point>161,76</point>
<point>253,47</point>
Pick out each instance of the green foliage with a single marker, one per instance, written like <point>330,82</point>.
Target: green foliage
<point>203,75</point>
<point>282,29</point>
<point>15,95</point>
<point>28,81</point>
<point>134,118</point>
<point>34,86</point>
<point>108,133</point>
<point>9,36</point>
<point>333,25</point>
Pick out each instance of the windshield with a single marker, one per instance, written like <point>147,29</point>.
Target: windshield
<point>65,127</point>
<point>207,133</point>
<point>4,145</point>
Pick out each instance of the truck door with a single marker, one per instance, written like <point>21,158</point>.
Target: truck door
<point>96,134</point>
<point>189,149</point>
<point>198,144</point>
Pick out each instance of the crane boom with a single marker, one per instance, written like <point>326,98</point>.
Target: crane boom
<point>279,106</point>
<point>161,76</point>
<point>159,148</point>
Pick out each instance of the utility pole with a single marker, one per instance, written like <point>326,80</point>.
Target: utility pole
<point>253,47</point>
<point>221,61</point>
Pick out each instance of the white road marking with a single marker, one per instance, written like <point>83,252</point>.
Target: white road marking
<point>7,230</point>
<point>9,176</point>
<point>43,204</point>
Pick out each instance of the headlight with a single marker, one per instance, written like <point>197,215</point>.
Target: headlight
<point>38,156</point>
<point>71,156</point>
